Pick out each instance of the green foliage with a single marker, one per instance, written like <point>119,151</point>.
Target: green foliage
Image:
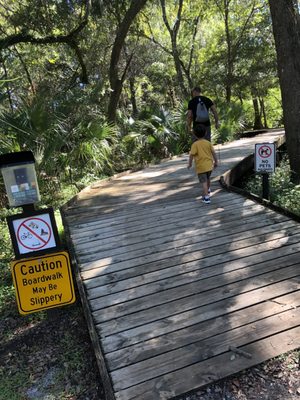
<point>145,140</point>
<point>7,293</point>
<point>282,191</point>
<point>232,118</point>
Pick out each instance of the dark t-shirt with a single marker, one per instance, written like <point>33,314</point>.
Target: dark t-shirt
<point>193,106</point>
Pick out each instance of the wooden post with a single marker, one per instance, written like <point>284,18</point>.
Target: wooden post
<point>265,186</point>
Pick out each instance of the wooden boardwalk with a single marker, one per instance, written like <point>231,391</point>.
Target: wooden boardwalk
<point>177,293</point>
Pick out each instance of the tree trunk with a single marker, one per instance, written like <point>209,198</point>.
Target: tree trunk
<point>26,70</point>
<point>263,112</point>
<point>132,96</point>
<point>286,25</point>
<point>179,73</point>
<point>257,115</point>
<point>173,34</point>
<point>116,83</point>
<point>229,67</point>
<point>8,91</point>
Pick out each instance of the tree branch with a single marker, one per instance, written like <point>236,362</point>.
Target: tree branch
<point>163,7</point>
<point>178,19</point>
<point>153,40</point>
<point>197,19</point>
<point>70,39</point>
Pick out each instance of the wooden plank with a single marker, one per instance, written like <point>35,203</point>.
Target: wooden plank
<point>174,277</point>
<point>236,258</point>
<point>158,195</point>
<point>230,263</point>
<point>205,322</point>
<point>148,288</point>
<point>115,220</point>
<point>199,374</point>
<point>101,363</point>
<point>205,349</point>
<point>182,221</point>
<point>183,226</point>
<point>190,302</point>
<point>148,245</point>
<point>115,227</point>
<point>106,207</point>
<point>198,251</point>
<point>180,316</point>
<point>145,233</point>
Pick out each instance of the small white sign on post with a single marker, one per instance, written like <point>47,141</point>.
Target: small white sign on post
<point>265,157</point>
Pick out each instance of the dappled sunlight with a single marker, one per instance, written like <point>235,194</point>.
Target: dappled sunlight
<point>144,174</point>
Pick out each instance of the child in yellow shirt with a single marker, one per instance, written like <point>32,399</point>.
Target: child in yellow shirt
<point>204,155</point>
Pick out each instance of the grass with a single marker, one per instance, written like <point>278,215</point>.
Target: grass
<point>11,387</point>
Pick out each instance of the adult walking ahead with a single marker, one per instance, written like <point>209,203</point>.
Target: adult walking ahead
<point>199,108</point>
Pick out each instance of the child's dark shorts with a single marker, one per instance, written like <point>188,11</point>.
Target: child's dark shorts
<point>204,177</point>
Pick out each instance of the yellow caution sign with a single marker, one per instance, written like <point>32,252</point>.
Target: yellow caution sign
<point>43,282</point>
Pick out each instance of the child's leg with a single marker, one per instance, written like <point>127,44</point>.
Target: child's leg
<point>208,181</point>
<point>205,188</point>
<point>208,186</point>
<point>203,182</point>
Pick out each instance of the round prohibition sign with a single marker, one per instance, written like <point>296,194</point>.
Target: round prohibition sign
<point>265,151</point>
<point>34,233</point>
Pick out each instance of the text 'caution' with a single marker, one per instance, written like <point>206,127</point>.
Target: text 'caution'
<point>43,282</point>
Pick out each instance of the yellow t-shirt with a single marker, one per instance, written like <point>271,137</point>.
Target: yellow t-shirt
<point>202,152</point>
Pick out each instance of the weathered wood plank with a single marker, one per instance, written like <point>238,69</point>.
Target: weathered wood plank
<point>135,305</point>
<point>196,375</point>
<point>119,324</point>
<point>158,231</point>
<point>153,287</point>
<point>205,322</point>
<point>200,251</point>
<point>156,212</point>
<point>111,283</point>
<point>198,237</point>
<point>110,275</point>
<point>190,302</point>
<point>112,228</point>
<point>204,349</point>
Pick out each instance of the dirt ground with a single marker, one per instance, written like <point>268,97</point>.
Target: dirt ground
<point>52,359</point>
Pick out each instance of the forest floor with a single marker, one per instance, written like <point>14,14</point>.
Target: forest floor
<point>51,358</point>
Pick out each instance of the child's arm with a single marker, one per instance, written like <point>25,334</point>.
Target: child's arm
<point>214,154</point>
<point>190,161</point>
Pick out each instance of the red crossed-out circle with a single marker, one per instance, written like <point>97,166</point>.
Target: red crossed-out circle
<point>43,241</point>
<point>265,151</point>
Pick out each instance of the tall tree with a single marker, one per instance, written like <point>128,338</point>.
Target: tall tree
<point>116,81</point>
<point>236,32</point>
<point>286,28</point>
<point>173,31</point>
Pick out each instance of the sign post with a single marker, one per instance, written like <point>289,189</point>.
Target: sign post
<point>42,278</point>
<point>265,162</point>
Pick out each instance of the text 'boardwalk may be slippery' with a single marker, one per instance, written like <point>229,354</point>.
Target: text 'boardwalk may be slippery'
<point>43,282</point>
